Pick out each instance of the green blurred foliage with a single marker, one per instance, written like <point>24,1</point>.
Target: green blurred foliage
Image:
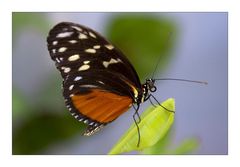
<point>20,105</point>
<point>52,88</point>
<point>186,147</point>
<point>165,146</point>
<point>145,39</point>
<point>42,130</point>
<point>23,20</point>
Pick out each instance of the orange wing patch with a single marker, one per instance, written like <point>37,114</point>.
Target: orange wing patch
<point>101,106</point>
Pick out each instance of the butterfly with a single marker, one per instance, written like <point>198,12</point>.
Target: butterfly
<point>99,82</point>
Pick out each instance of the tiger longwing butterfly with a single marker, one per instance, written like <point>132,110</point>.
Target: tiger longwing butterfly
<point>99,82</point>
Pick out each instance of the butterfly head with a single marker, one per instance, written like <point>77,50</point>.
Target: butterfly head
<point>148,87</point>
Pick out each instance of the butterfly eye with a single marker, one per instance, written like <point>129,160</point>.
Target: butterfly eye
<point>150,85</point>
<point>153,88</point>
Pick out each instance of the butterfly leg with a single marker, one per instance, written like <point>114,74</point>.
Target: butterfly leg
<point>151,96</point>
<point>152,103</point>
<point>136,114</point>
<point>148,98</point>
<point>137,122</point>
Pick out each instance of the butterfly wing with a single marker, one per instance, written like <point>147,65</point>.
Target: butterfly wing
<point>99,83</point>
<point>73,44</point>
<point>96,98</point>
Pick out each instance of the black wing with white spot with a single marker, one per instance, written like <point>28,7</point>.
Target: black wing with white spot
<point>99,83</point>
<point>77,48</point>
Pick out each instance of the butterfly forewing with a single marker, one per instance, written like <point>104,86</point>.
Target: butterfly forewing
<point>73,45</point>
<point>99,83</point>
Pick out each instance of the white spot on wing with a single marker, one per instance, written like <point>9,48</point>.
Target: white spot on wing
<point>84,67</point>
<point>90,50</point>
<point>100,82</point>
<point>54,51</point>
<point>73,41</point>
<point>112,61</point>
<point>92,34</point>
<point>71,87</point>
<point>88,86</point>
<point>109,47</point>
<point>64,34</point>
<point>57,60</point>
<point>55,42</point>
<point>86,62</point>
<point>62,49</point>
<point>74,57</point>
<point>77,78</point>
<point>82,36</point>
<point>77,28</point>
<point>96,47</point>
<point>66,69</point>
<point>119,60</point>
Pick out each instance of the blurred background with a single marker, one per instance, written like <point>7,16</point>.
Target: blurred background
<point>188,45</point>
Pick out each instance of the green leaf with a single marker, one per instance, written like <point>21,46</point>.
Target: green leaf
<point>155,122</point>
<point>162,146</point>
<point>144,39</point>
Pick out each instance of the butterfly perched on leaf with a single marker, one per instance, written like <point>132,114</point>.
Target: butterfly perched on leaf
<point>99,82</point>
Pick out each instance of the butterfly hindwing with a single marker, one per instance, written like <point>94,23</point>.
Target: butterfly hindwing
<point>103,91</point>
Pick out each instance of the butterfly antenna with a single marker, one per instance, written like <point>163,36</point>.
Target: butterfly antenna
<point>158,61</point>
<point>183,80</point>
